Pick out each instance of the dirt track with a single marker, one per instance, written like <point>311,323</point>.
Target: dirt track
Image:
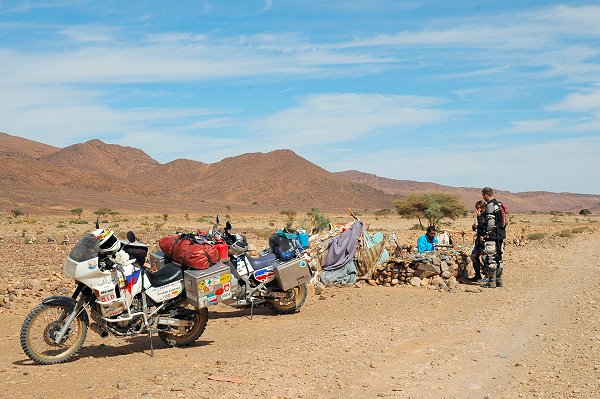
<point>539,337</point>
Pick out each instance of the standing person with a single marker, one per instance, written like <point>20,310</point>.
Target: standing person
<point>495,233</point>
<point>479,228</point>
<point>428,240</point>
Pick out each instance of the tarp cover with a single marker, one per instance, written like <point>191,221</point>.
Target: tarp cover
<point>342,248</point>
<point>344,275</point>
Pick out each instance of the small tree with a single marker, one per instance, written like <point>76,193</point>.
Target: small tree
<point>78,212</point>
<point>431,206</point>
<point>113,213</point>
<point>319,221</point>
<point>101,211</point>
<point>17,212</point>
<point>291,215</point>
<point>585,212</point>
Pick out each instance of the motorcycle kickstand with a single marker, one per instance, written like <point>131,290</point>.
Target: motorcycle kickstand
<point>251,309</point>
<point>151,345</point>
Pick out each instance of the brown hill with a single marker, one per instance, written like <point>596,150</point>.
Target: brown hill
<point>283,179</point>
<point>13,145</point>
<point>518,202</point>
<point>101,158</point>
<point>96,174</point>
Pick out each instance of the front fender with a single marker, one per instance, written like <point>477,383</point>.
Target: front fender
<point>67,303</point>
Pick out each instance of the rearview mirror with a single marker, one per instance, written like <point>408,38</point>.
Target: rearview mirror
<point>131,236</point>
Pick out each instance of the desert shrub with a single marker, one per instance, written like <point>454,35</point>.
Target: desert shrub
<point>200,220</point>
<point>431,206</point>
<point>290,215</point>
<point>565,233</point>
<point>78,221</point>
<point>102,211</point>
<point>577,230</point>
<point>319,221</point>
<point>585,212</point>
<point>61,226</point>
<point>383,212</point>
<point>536,236</point>
<point>165,216</point>
<point>416,226</point>
<point>16,212</point>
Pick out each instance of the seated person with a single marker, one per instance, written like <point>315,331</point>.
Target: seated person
<point>427,241</point>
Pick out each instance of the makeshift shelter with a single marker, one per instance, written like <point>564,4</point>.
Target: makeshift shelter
<point>350,253</point>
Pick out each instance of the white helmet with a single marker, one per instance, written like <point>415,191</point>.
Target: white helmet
<point>109,242</point>
<point>239,246</point>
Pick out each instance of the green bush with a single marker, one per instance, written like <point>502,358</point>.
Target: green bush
<point>78,221</point>
<point>578,230</point>
<point>536,236</point>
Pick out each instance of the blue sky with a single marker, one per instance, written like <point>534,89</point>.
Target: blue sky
<point>502,94</point>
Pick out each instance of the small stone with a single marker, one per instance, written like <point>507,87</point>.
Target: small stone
<point>415,281</point>
<point>121,385</point>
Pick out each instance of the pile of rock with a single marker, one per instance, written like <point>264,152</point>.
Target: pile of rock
<point>22,294</point>
<point>434,270</point>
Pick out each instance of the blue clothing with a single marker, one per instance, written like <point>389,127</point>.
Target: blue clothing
<point>424,244</point>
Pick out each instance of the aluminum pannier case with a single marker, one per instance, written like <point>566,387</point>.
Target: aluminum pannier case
<point>292,273</point>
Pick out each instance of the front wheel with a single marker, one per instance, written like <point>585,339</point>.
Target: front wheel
<point>39,331</point>
<point>292,302</point>
<point>184,336</point>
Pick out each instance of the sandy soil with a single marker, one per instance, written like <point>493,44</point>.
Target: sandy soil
<point>538,337</point>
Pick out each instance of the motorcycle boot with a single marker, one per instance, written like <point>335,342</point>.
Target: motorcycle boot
<point>499,277</point>
<point>477,266</point>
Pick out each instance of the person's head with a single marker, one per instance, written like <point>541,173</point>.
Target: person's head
<point>480,205</point>
<point>431,231</point>
<point>487,194</point>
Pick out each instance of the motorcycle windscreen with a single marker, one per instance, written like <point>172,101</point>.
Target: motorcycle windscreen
<point>86,248</point>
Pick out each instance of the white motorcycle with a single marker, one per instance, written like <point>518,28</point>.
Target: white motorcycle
<point>119,295</point>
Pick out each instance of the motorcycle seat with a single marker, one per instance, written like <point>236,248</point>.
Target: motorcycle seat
<point>262,261</point>
<point>165,275</point>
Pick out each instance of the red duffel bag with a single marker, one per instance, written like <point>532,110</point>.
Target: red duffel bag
<point>201,256</point>
<point>167,243</point>
<point>180,248</point>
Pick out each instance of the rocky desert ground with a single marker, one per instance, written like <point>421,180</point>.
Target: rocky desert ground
<point>538,337</point>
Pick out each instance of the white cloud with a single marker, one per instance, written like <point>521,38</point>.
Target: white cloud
<point>562,165</point>
<point>539,125</point>
<point>174,58</point>
<point>62,116</point>
<point>339,117</point>
<point>584,100</point>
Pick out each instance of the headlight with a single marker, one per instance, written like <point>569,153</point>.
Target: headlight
<point>70,267</point>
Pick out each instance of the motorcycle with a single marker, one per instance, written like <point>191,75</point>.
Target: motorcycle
<point>118,294</point>
<point>244,281</point>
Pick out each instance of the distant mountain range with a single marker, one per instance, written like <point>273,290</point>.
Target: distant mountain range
<point>95,174</point>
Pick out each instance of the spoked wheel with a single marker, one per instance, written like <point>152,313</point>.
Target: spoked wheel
<point>184,336</point>
<point>292,302</point>
<point>40,329</point>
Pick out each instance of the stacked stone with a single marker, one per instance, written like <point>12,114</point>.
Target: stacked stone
<point>24,294</point>
<point>434,270</point>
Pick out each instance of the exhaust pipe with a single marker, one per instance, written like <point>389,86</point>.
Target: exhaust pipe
<point>99,330</point>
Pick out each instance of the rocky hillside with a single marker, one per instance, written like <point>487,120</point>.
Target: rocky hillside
<point>518,202</point>
<point>97,174</point>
